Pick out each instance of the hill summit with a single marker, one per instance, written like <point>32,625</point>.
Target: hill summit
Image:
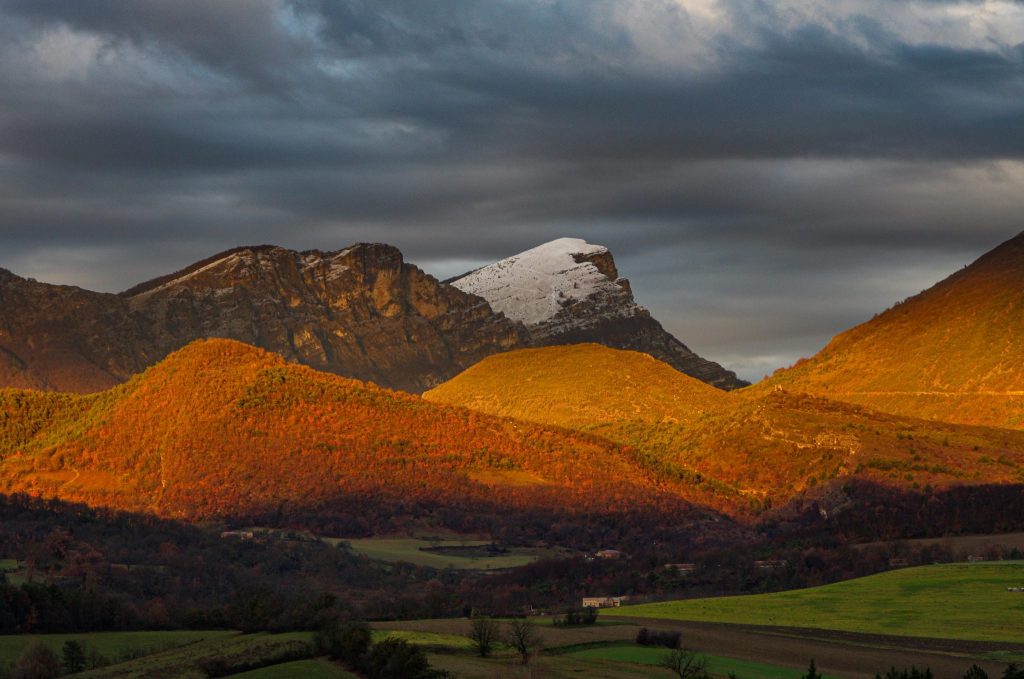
<point>953,352</point>
<point>580,386</point>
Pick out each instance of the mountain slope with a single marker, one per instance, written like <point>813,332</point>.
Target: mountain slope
<point>954,352</point>
<point>743,450</point>
<point>220,428</point>
<point>63,338</point>
<point>568,291</point>
<point>360,312</point>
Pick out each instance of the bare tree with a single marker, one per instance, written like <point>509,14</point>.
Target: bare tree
<point>686,664</point>
<point>523,637</point>
<point>484,633</point>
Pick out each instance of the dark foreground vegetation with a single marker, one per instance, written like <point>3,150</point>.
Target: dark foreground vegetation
<point>83,569</point>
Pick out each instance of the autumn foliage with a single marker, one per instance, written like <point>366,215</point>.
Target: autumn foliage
<point>952,353</point>
<point>739,451</point>
<point>224,429</point>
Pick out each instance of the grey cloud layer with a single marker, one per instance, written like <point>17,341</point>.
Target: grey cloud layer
<point>721,149</point>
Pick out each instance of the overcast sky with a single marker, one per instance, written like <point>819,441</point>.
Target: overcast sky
<point>767,173</point>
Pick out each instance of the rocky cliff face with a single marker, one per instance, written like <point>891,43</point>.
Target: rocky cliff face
<point>569,291</point>
<point>360,312</point>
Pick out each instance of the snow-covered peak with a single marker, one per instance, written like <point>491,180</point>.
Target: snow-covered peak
<point>545,282</point>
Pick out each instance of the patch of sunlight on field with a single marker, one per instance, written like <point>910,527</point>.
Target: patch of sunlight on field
<point>427,639</point>
<point>418,552</point>
<point>951,601</point>
<point>315,668</point>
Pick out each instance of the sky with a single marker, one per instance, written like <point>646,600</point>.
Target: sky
<point>766,173</point>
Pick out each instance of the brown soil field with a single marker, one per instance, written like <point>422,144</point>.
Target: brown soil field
<point>976,544</point>
<point>845,654</point>
<point>841,654</point>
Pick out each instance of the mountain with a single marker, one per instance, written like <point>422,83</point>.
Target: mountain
<point>568,291</point>
<point>581,386</point>
<point>63,338</point>
<point>361,312</point>
<point>740,451</point>
<point>221,429</point>
<point>953,352</point>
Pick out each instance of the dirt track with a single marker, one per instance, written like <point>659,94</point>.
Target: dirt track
<point>844,654</point>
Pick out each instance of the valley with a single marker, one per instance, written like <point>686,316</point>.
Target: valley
<point>769,524</point>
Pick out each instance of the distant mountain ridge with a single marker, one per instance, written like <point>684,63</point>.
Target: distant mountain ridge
<point>360,312</point>
<point>568,291</point>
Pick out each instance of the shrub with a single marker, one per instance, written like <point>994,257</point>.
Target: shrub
<point>646,637</point>
<point>36,662</point>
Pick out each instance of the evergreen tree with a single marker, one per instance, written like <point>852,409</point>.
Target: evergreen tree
<point>812,672</point>
<point>73,657</point>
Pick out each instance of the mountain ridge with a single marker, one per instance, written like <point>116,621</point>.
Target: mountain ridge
<point>361,312</point>
<point>568,291</point>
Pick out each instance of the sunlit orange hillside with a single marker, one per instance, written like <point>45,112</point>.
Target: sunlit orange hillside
<point>742,451</point>
<point>772,447</point>
<point>955,352</point>
<point>580,386</point>
<point>222,428</point>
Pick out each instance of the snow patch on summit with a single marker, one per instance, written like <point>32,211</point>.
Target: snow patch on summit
<point>538,285</point>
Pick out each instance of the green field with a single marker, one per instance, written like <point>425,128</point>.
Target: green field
<point>951,601</point>
<point>717,665</point>
<point>428,640</point>
<point>111,644</point>
<point>185,662</point>
<point>315,668</point>
<point>412,550</point>
<point>12,571</point>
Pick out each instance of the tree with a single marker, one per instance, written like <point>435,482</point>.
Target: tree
<point>484,633</point>
<point>1013,672</point>
<point>398,659</point>
<point>686,664</point>
<point>812,672</point>
<point>912,673</point>
<point>523,637</point>
<point>73,657</point>
<point>36,662</point>
<point>347,642</point>
<point>976,673</point>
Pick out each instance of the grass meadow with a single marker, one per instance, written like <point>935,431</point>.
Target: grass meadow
<point>947,601</point>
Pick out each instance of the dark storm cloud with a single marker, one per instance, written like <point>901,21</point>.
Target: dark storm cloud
<point>721,149</point>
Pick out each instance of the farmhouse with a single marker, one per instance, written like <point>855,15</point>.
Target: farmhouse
<point>609,554</point>
<point>603,601</point>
